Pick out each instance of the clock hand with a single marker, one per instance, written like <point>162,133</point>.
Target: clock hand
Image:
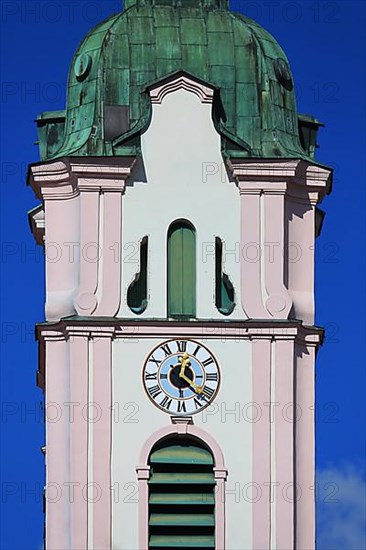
<point>184,360</point>
<point>197,389</point>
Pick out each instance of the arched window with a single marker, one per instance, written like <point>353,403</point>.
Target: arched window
<point>181,495</point>
<point>181,270</point>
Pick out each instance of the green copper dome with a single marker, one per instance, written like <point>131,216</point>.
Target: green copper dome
<point>108,104</point>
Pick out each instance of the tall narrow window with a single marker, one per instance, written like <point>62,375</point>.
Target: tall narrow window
<point>181,495</point>
<point>137,291</point>
<point>181,270</point>
<point>224,295</point>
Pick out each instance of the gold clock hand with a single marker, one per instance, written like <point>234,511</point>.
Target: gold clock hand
<point>197,389</point>
<point>184,361</point>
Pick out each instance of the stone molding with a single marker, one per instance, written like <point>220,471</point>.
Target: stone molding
<point>65,178</point>
<point>220,474</point>
<point>37,223</point>
<point>240,330</point>
<point>294,177</point>
<point>158,92</point>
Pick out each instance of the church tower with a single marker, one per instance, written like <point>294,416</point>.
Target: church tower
<point>178,215</point>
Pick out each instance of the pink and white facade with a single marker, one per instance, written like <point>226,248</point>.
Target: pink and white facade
<point>101,426</point>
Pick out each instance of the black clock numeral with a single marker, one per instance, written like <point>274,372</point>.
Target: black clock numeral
<point>181,393</point>
<point>166,402</point>
<point>212,376</point>
<point>166,349</point>
<point>163,376</point>
<point>153,360</point>
<point>182,346</point>
<point>207,361</point>
<point>181,406</point>
<point>197,403</point>
<point>208,392</point>
<point>151,375</point>
<point>196,350</point>
<point>154,391</point>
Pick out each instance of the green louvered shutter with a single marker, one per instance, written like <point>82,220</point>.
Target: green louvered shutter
<point>181,497</point>
<point>181,270</point>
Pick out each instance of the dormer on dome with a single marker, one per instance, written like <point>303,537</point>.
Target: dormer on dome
<point>108,105</point>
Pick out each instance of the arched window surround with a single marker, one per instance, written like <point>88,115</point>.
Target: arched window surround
<point>143,475</point>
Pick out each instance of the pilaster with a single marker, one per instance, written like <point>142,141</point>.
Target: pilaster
<point>78,374</point>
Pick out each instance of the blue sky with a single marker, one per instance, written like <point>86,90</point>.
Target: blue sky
<point>325,43</point>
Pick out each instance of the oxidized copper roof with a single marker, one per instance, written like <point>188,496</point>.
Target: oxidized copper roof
<point>108,105</point>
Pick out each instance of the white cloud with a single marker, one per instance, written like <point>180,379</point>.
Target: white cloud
<point>341,508</point>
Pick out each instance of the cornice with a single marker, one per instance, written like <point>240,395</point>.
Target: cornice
<point>296,178</point>
<point>207,330</point>
<point>37,222</point>
<point>67,177</point>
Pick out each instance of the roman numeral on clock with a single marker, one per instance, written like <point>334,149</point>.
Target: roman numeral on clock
<point>212,377</point>
<point>166,349</point>
<point>207,361</point>
<point>181,407</point>
<point>166,402</point>
<point>182,346</point>
<point>208,392</point>
<point>151,375</point>
<point>197,403</point>
<point>154,391</point>
<point>196,350</point>
<point>153,360</point>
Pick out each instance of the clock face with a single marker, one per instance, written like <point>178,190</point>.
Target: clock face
<point>181,377</point>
